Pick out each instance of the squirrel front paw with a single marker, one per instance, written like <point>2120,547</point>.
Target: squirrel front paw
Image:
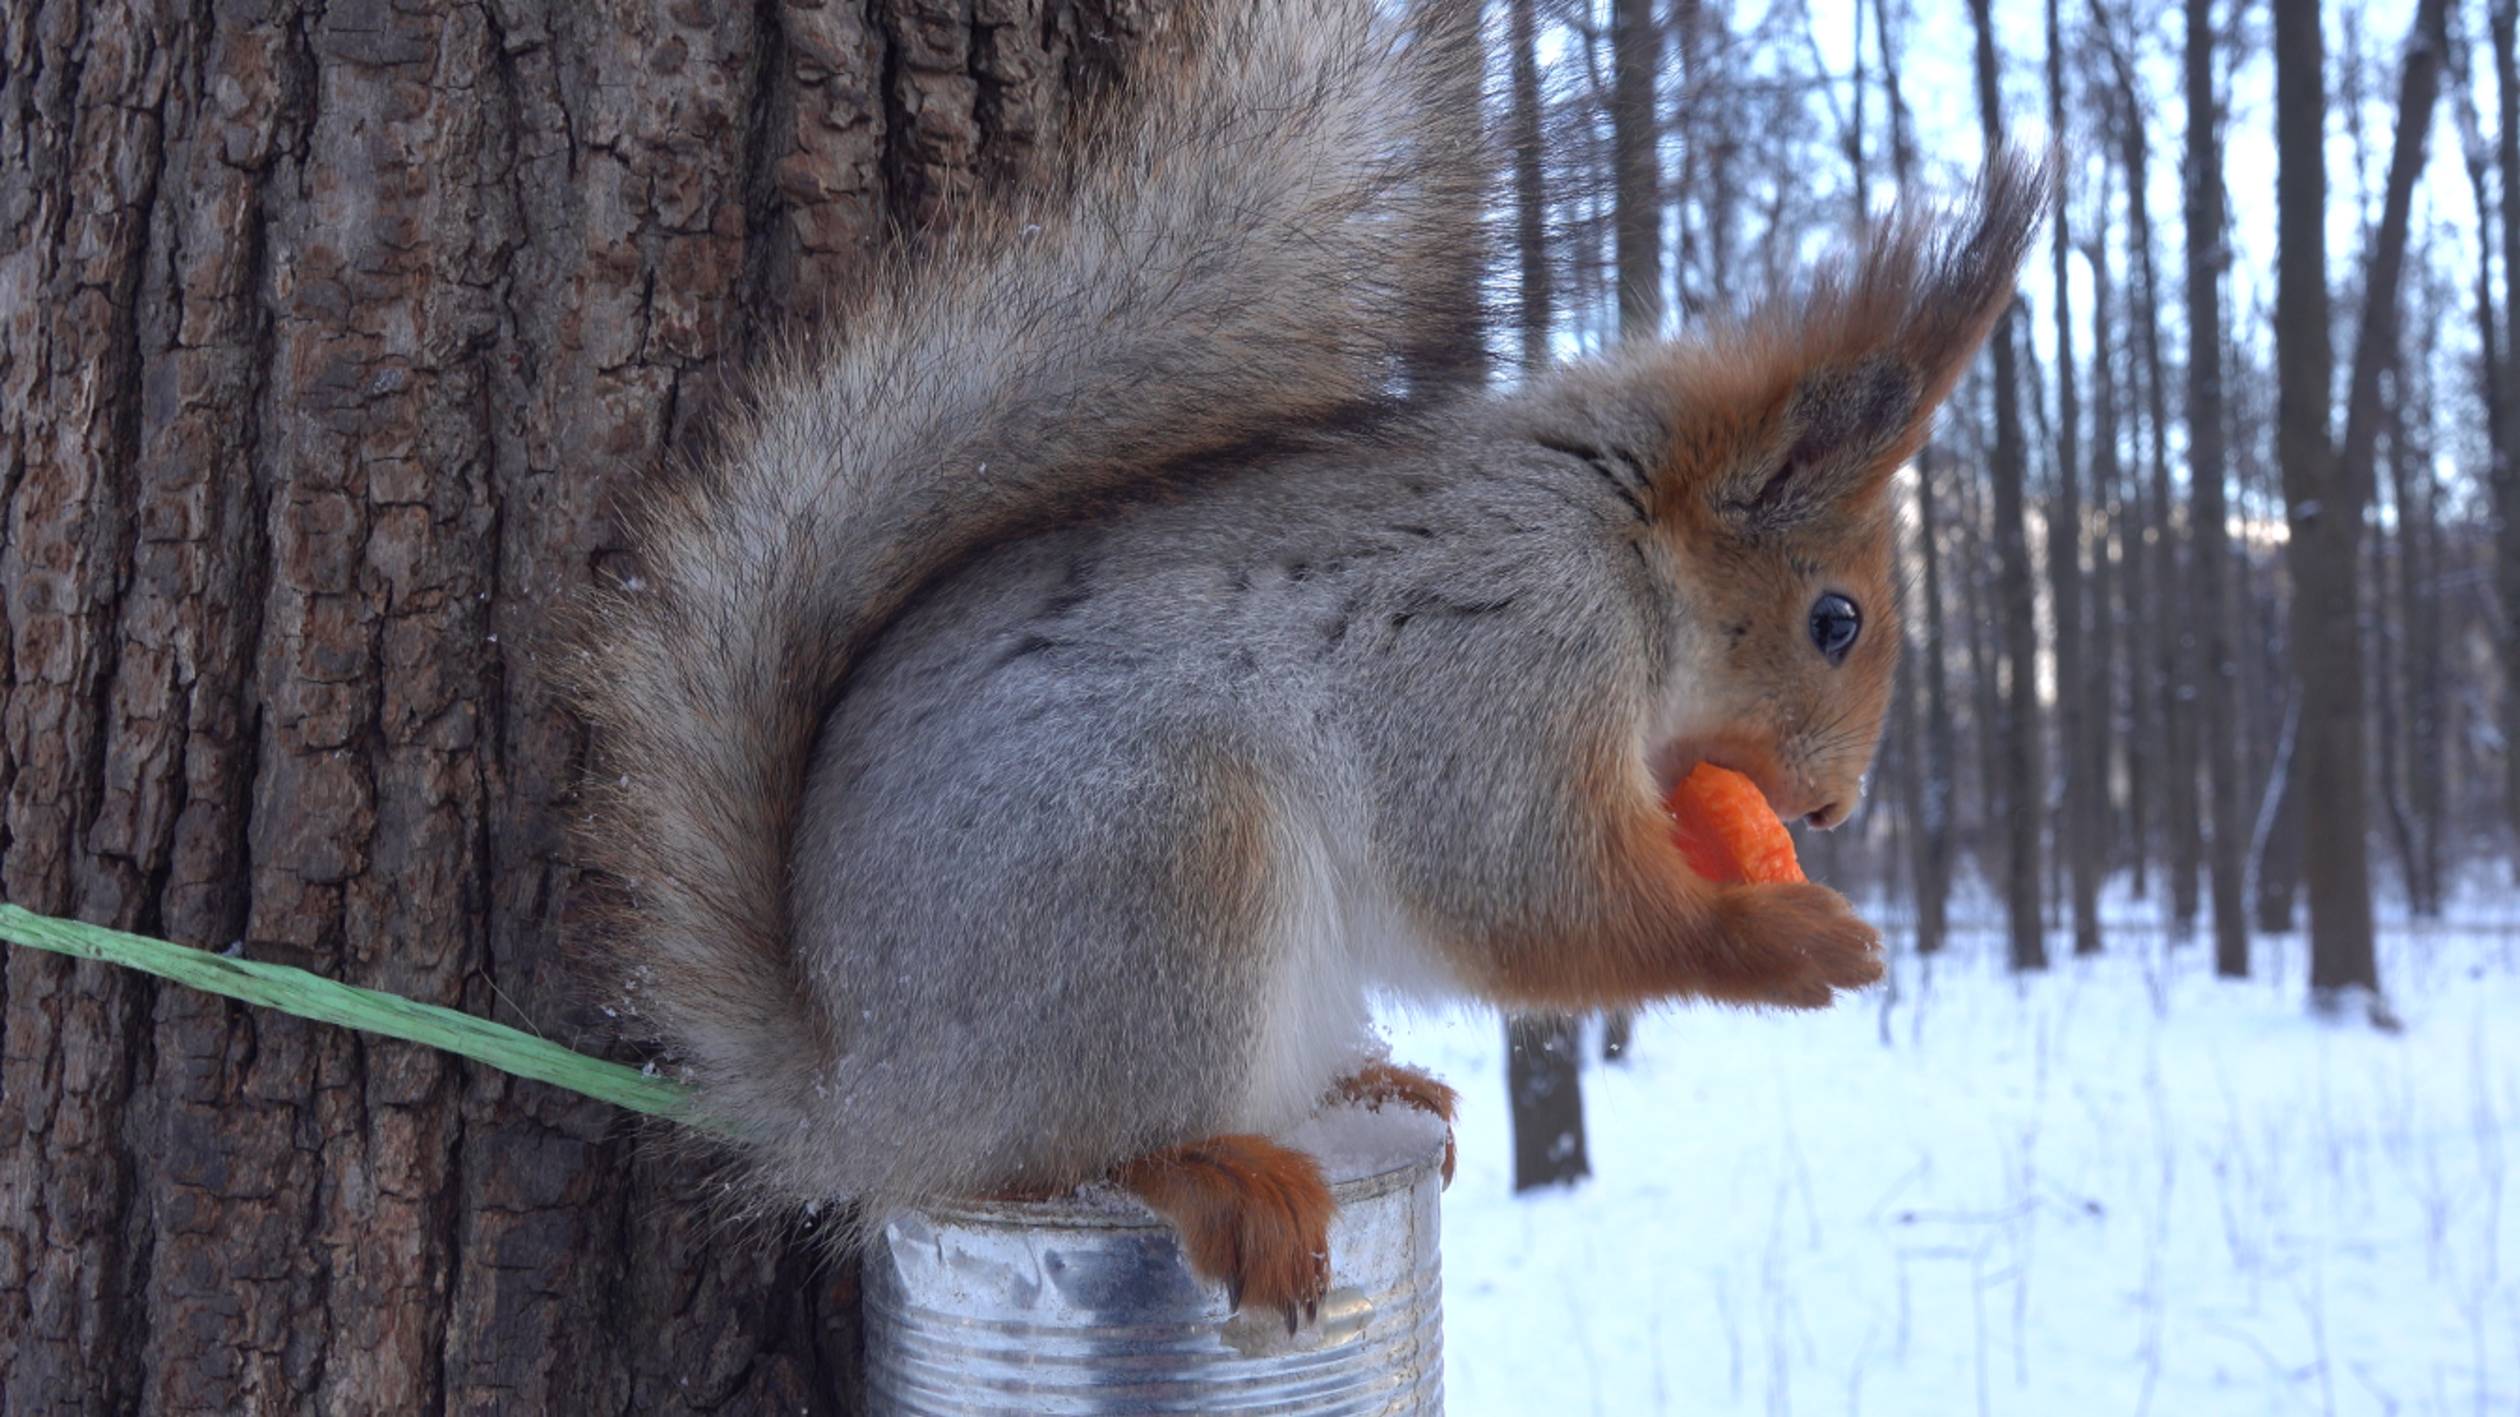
<point>1793,945</point>
<point>1251,1213</point>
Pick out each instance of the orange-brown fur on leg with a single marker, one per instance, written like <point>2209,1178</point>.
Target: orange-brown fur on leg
<point>1377,1083</point>
<point>1252,1214</point>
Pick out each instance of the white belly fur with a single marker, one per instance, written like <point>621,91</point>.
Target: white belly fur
<point>1341,943</point>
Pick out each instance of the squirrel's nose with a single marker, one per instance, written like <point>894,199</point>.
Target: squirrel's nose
<point>1827,817</point>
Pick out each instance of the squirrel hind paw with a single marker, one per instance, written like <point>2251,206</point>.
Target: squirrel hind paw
<point>1252,1214</point>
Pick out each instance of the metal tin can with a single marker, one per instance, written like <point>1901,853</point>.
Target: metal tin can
<point>1084,1304</point>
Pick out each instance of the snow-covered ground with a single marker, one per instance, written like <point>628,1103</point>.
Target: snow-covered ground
<point>2121,1188</point>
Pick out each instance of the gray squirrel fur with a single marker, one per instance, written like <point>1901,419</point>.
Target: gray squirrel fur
<point>1129,644</point>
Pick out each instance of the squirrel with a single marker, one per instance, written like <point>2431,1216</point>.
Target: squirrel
<point>1140,637</point>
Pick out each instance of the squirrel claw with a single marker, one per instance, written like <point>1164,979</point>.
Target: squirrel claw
<point>1379,1082</point>
<point>1252,1214</point>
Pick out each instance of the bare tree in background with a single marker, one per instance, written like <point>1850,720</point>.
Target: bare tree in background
<point>2415,486</point>
<point>2404,614</point>
<point>1931,674</point>
<point>1635,57</point>
<point>2176,798</point>
<point>2116,611</point>
<point>2076,818</point>
<point>2342,952</point>
<point>2325,488</point>
<point>2506,19</point>
<point>2021,794</point>
<point>1533,266</point>
<point>2217,676</point>
<point>2126,608</point>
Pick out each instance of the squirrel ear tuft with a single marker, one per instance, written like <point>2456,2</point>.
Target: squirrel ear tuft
<point>1871,347</point>
<point>1838,438</point>
<point>1951,277</point>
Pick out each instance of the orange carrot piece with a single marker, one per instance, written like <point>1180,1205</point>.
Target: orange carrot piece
<point>1727,831</point>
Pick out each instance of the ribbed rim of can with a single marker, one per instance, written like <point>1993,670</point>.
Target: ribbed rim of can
<point>1105,1207</point>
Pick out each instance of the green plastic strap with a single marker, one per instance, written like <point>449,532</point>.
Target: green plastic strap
<point>312,996</point>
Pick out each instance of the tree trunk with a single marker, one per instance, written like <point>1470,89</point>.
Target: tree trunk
<point>1635,56</point>
<point>2349,960</point>
<point>1531,212</point>
<point>2428,728</point>
<point>2076,821</point>
<point>2138,731</point>
<point>2417,494</point>
<point>2217,676</point>
<point>2275,847</point>
<point>2324,491</point>
<point>2506,18</point>
<point>2375,343</point>
<point>2170,675</point>
<point>1933,763</point>
<point>1933,844</point>
<point>2390,669</point>
<point>2326,643</point>
<point>2115,608</point>
<point>1905,757</point>
<point>1688,297</point>
<point>2020,728</point>
<point>332,331</point>
<point>1541,1079</point>
<point>1982,662</point>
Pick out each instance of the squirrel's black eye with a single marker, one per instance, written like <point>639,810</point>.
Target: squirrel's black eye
<point>1835,622</point>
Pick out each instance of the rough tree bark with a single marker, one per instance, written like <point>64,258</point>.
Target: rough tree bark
<point>2216,676</point>
<point>2020,728</point>
<point>327,331</point>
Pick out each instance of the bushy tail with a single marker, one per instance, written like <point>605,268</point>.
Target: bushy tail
<point>1274,225</point>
